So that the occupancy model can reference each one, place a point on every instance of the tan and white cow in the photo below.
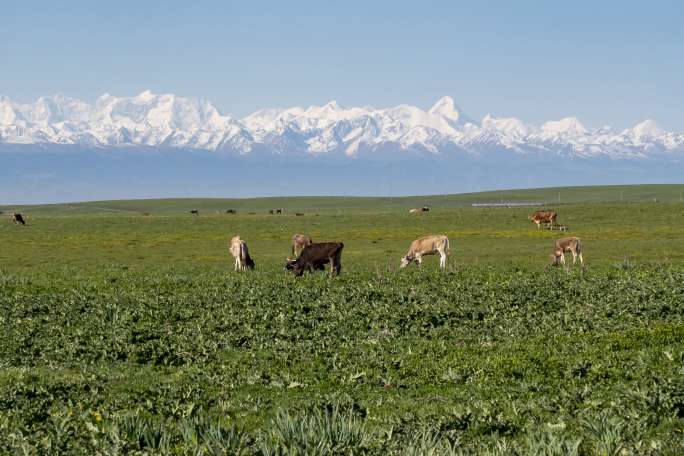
(238, 248)
(427, 246)
(545, 216)
(567, 244)
(299, 241)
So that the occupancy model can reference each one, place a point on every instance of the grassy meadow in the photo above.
(133, 335)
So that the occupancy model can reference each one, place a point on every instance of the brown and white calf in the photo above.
(427, 246)
(422, 209)
(299, 241)
(238, 248)
(314, 256)
(568, 244)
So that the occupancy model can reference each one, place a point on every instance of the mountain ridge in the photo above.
(332, 131)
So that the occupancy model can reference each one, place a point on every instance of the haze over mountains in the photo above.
(156, 139)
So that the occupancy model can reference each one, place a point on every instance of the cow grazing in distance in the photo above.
(216, 212)
(299, 241)
(17, 218)
(427, 246)
(194, 211)
(279, 211)
(297, 214)
(252, 213)
(238, 248)
(270, 211)
(146, 214)
(422, 209)
(231, 211)
(562, 228)
(655, 200)
(314, 256)
(567, 244)
(548, 217)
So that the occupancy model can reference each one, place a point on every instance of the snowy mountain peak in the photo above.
(508, 126)
(447, 108)
(648, 128)
(569, 125)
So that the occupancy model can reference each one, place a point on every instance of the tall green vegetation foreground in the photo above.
(474, 359)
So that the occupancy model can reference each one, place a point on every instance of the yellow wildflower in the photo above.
(69, 413)
(99, 419)
(54, 414)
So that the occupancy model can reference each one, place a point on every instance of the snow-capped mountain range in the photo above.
(167, 121)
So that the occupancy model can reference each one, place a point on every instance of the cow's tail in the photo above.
(448, 250)
(293, 246)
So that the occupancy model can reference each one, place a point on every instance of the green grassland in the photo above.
(133, 335)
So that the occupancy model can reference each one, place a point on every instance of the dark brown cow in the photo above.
(270, 211)
(314, 256)
(231, 211)
(568, 244)
(194, 211)
(17, 218)
(422, 209)
(548, 217)
(297, 214)
(299, 241)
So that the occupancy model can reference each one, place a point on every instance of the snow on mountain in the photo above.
(332, 130)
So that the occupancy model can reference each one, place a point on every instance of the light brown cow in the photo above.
(422, 209)
(299, 241)
(238, 248)
(568, 244)
(655, 200)
(17, 218)
(427, 246)
(146, 214)
(548, 217)
(297, 214)
(216, 212)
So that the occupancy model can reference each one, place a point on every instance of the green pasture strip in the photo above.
(612, 194)
(507, 349)
(608, 233)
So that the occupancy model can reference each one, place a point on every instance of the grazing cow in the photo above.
(194, 211)
(299, 241)
(252, 213)
(422, 209)
(146, 214)
(270, 211)
(655, 200)
(562, 228)
(568, 244)
(17, 218)
(216, 212)
(231, 211)
(314, 256)
(297, 214)
(238, 248)
(548, 217)
(427, 246)
(279, 211)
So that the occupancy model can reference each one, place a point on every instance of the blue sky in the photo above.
(611, 63)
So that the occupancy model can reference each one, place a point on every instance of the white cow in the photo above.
(427, 246)
(238, 248)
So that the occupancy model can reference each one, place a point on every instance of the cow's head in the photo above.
(405, 261)
(555, 259)
(290, 264)
(250, 263)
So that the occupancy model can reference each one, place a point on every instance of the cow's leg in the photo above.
(237, 262)
(419, 259)
(574, 256)
(538, 226)
(581, 259)
(312, 269)
(563, 257)
(442, 259)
